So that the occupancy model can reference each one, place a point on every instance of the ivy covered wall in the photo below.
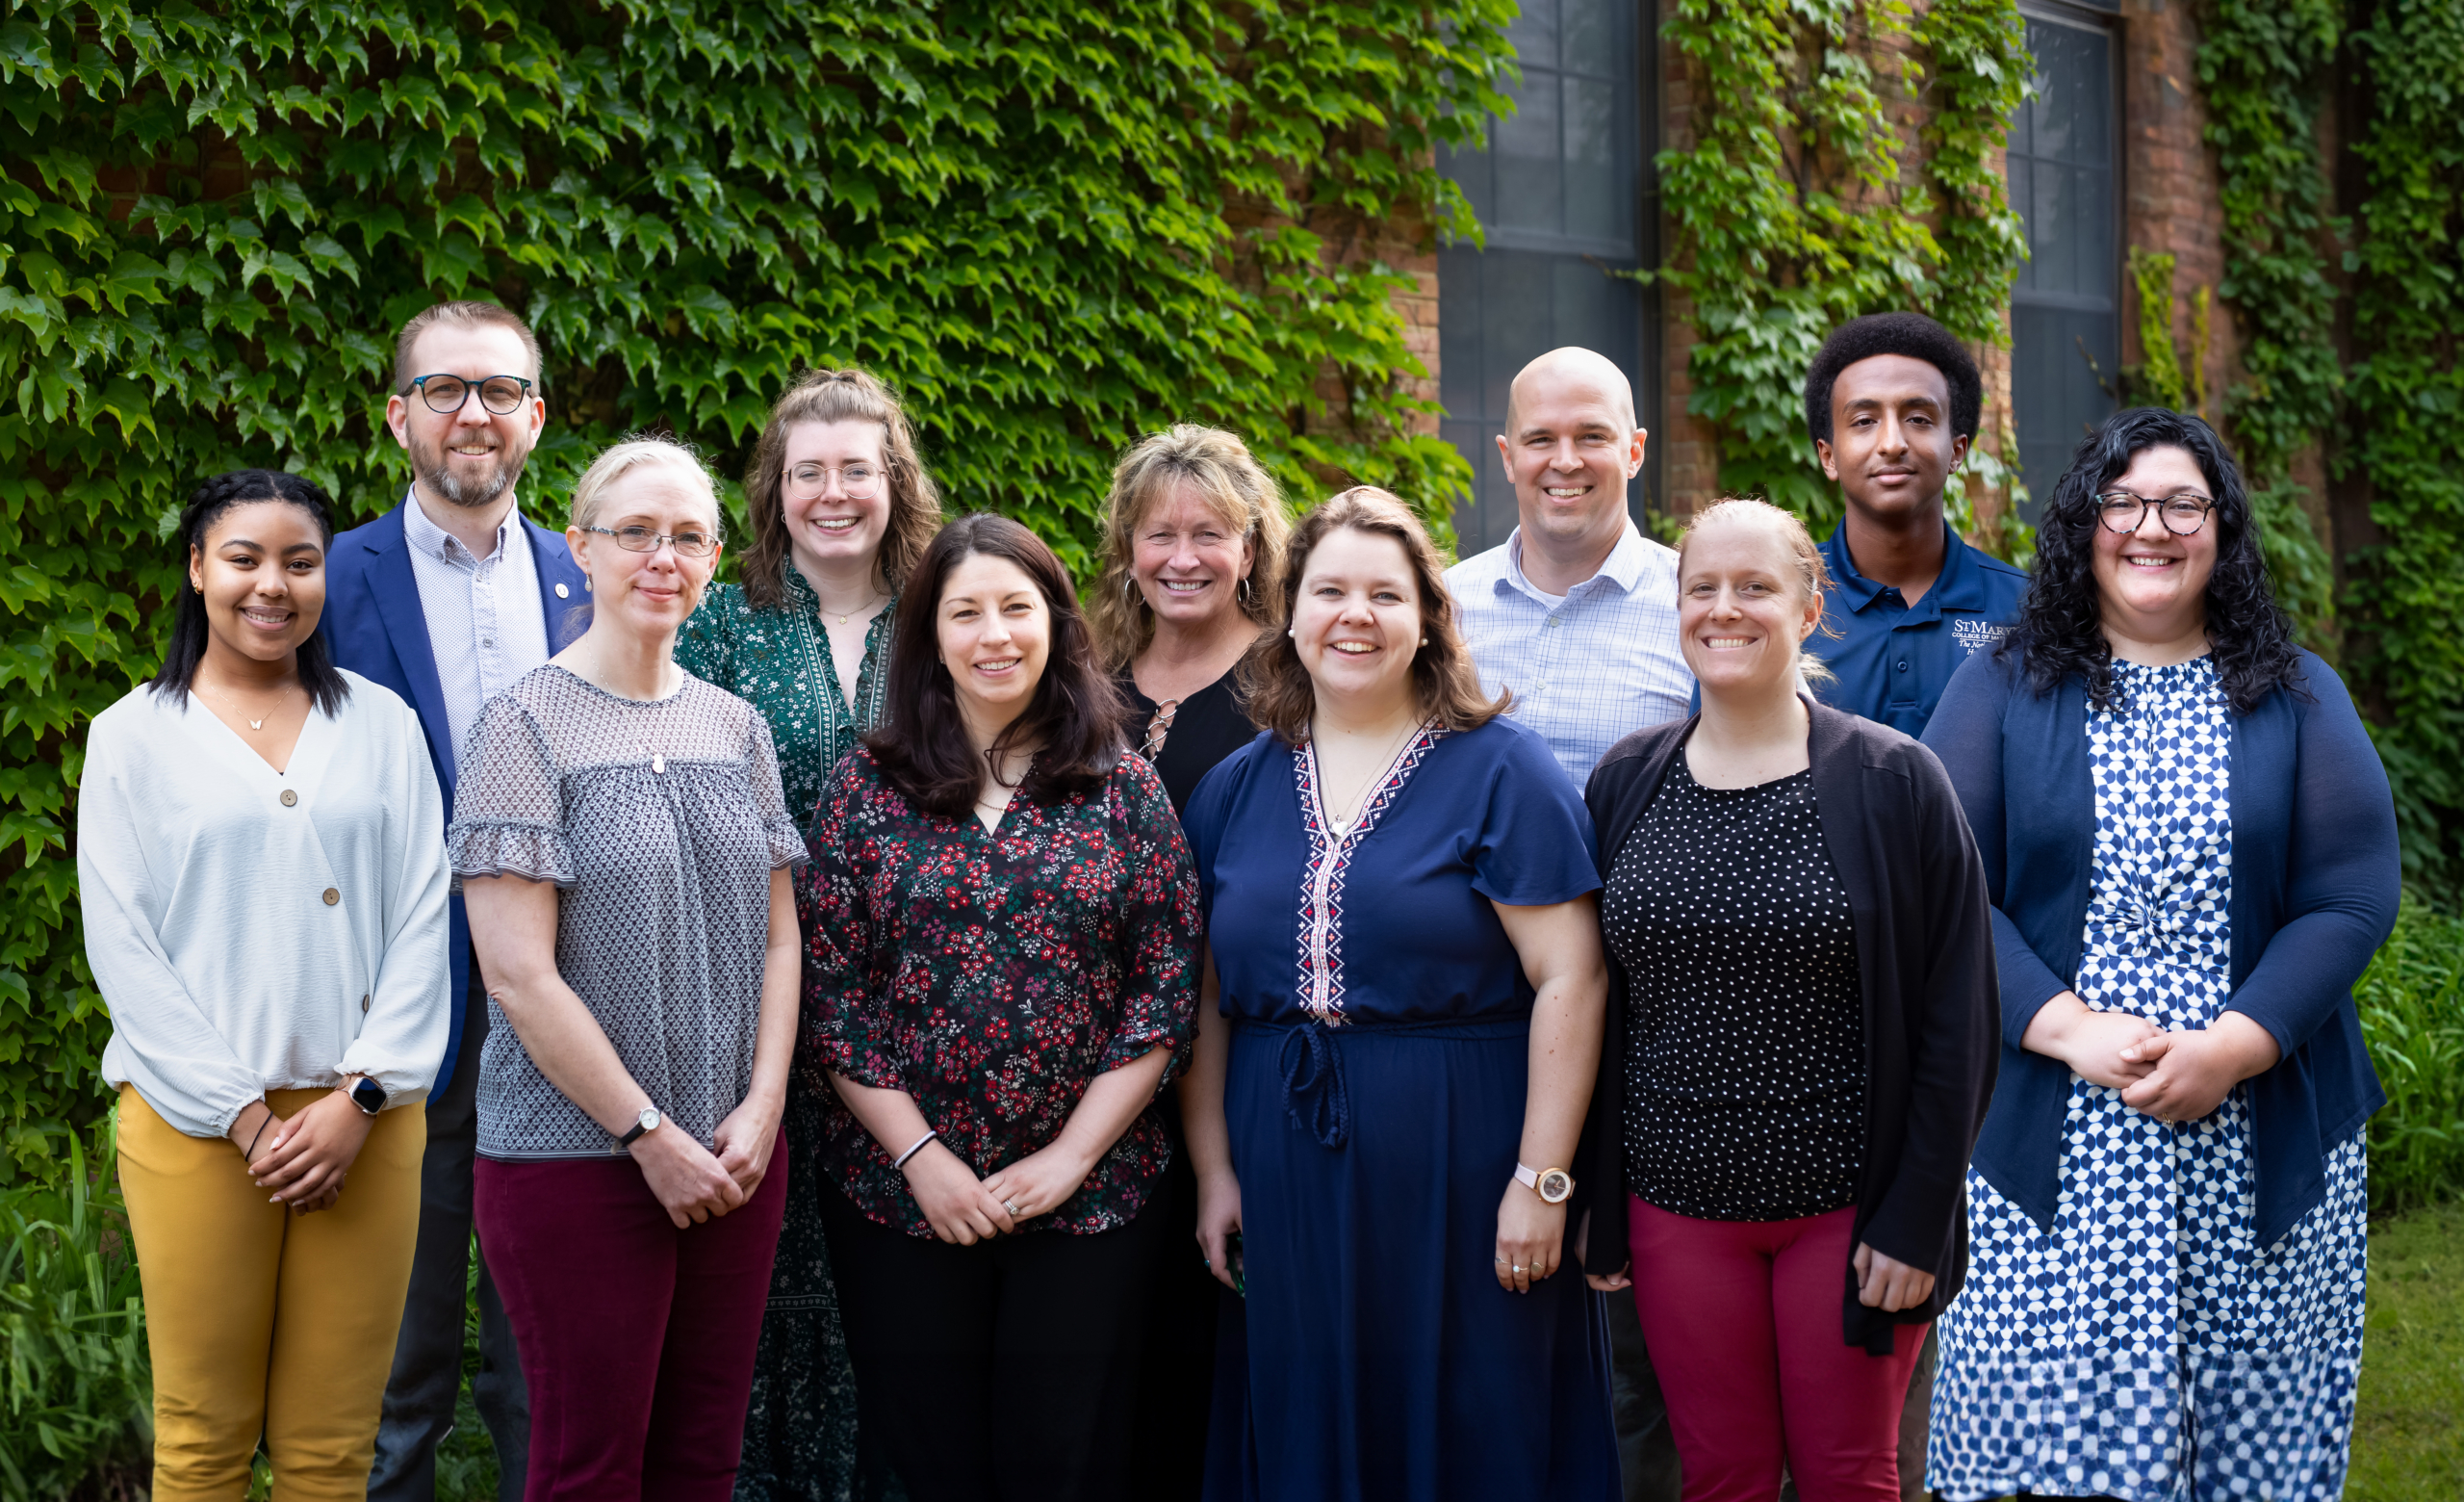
(1055, 225)
(2337, 128)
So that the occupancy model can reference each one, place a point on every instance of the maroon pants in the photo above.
(636, 1338)
(1742, 1318)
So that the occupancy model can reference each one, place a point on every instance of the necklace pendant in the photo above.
(256, 724)
(658, 765)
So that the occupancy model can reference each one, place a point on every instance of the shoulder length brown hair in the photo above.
(921, 743)
(1221, 469)
(835, 396)
(1281, 696)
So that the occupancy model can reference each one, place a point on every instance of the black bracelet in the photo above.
(249, 1152)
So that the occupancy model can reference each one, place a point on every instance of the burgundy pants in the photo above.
(1742, 1318)
(636, 1338)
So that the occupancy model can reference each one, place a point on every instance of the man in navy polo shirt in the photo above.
(1892, 403)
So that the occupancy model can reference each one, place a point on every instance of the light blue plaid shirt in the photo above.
(1590, 669)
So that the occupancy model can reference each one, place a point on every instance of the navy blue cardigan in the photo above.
(2315, 886)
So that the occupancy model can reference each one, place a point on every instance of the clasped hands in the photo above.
(304, 1159)
(695, 1184)
(2179, 1074)
(964, 1209)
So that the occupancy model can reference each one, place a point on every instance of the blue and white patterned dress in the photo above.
(2149, 1348)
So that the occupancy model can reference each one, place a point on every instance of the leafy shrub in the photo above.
(76, 1393)
(2412, 1011)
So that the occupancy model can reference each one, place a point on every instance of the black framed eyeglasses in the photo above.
(2125, 511)
(502, 394)
(642, 539)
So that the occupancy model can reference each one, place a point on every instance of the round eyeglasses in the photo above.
(502, 394)
(857, 482)
(2126, 511)
(642, 539)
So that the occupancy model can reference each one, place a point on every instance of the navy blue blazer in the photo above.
(376, 628)
(2316, 881)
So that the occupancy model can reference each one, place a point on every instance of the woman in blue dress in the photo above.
(1399, 1030)
(2191, 849)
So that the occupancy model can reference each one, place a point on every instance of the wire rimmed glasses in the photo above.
(644, 539)
(446, 395)
(2183, 512)
(857, 482)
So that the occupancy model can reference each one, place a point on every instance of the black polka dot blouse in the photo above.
(1744, 1064)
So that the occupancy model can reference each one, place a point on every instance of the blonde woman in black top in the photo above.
(1802, 1029)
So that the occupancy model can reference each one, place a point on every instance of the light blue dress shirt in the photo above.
(485, 620)
(1588, 669)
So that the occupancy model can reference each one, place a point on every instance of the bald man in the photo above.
(1577, 610)
(1577, 613)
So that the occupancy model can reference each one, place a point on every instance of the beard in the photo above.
(432, 467)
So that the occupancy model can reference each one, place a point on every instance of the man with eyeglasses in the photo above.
(1892, 403)
(447, 600)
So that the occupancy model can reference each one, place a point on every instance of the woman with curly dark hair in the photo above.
(2191, 849)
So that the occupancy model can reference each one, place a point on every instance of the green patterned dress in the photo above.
(799, 1437)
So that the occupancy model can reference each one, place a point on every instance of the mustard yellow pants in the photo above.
(263, 1322)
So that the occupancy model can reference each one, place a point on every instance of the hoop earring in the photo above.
(1244, 587)
(1130, 598)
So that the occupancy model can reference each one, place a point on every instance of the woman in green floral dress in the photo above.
(840, 509)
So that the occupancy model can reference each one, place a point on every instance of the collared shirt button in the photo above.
(332, 897)
(1902, 664)
(290, 799)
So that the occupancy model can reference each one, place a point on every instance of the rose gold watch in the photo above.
(1551, 1184)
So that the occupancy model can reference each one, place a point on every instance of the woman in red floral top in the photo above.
(1001, 970)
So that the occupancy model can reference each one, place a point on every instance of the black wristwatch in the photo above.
(368, 1095)
(648, 1121)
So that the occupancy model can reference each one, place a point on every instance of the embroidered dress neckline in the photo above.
(1329, 861)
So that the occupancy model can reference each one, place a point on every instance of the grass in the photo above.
(2408, 1436)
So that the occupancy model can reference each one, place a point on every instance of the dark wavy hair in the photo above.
(327, 686)
(921, 742)
(2060, 632)
(1912, 334)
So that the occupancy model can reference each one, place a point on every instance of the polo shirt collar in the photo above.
(1623, 567)
(1958, 587)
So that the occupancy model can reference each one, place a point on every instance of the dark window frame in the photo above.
(1638, 129)
(2102, 17)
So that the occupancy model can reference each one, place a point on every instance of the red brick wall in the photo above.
(2170, 182)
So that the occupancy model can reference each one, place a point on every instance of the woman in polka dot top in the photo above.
(1801, 1039)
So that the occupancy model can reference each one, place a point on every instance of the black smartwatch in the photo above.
(368, 1095)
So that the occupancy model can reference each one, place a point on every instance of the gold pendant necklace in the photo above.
(258, 723)
(851, 614)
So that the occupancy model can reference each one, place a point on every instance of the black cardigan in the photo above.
(1894, 830)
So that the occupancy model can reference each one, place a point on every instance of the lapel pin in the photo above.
(562, 592)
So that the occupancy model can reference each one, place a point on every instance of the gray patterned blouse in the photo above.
(660, 822)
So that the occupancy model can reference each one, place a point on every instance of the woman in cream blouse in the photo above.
(261, 862)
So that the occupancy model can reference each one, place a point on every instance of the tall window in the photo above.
(2066, 310)
(1559, 193)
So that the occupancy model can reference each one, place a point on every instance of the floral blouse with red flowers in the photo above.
(992, 975)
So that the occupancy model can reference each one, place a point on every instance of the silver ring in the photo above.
(1012, 1206)
(1517, 1267)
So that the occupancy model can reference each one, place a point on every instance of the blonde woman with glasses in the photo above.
(623, 846)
